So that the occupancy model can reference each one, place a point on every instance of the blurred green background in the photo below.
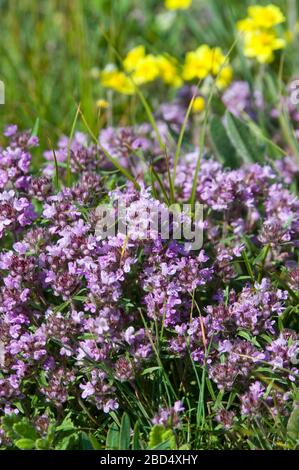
(52, 50)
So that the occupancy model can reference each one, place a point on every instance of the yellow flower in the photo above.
(146, 70)
(197, 63)
(266, 17)
(261, 45)
(118, 81)
(225, 77)
(246, 25)
(202, 62)
(217, 60)
(133, 57)
(198, 104)
(168, 71)
(177, 4)
(102, 104)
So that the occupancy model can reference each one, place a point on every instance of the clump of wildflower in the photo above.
(225, 418)
(169, 417)
(260, 38)
(261, 45)
(84, 157)
(141, 68)
(168, 70)
(117, 80)
(146, 70)
(238, 99)
(81, 314)
(15, 212)
(205, 61)
(261, 17)
(99, 391)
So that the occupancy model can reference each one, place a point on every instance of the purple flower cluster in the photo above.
(80, 315)
(169, 417)
(239, 99)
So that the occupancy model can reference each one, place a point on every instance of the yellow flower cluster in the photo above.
(117, 80)
(206, 61)
(177, 4)
(260, 39)
(141, 68)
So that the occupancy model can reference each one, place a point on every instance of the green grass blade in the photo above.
(68, 167)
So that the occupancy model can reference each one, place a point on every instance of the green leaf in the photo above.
(94, 442)
(293, 425)
(42, 444)
(66, 425)
(150, 370)
(68, 168)
(124, 436)
(112, 440)
(160, 436)
(221, 144)
(184, 447)
(8, 422)
(25, 444)
(163, 446)
(85, 442)
(68, 442)
(136, 445)
(35, 128)
(242, 139)
(25, 429)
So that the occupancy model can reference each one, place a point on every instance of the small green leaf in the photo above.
(150, 370)
(66, 425)
(162, 446)
(35, 128)
(136, 444)
(221, 144)
(85, 442)
(293, 425)
(156, 435)
(242, 139)
(68, 442)
(160, 436)
(124, 436)
(94, 442)
(42, 444)
(25, 444)
(25, 429)
(112, 440)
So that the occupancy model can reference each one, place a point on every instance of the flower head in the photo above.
(261, 45)
(118, 81)
(198, 104)
(260, 39)
(265, 16)
(177, 4)
(133, 57)
(168, 70)
(146, 70)
(206, 61)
